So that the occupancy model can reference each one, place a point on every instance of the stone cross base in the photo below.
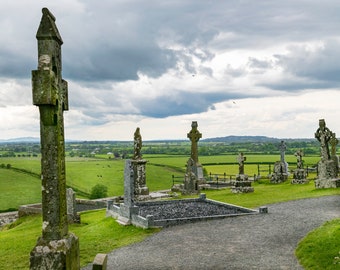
(327, 169)
(327, 183)
(242, 177)
(242, 189)
(56, 254)
(299, 177)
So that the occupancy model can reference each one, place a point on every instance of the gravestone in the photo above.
(299, 174)
(139, 166)
(56, 248)
(328, 165)
(280, 173)
(72, 215)
(242, 183)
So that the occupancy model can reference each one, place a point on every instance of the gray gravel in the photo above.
(265, 241)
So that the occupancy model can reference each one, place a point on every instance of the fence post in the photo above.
(270, 168)
(258, 169)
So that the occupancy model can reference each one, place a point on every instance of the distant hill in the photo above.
(242, 139)
(21, 140)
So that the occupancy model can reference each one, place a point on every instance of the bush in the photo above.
(98, 191)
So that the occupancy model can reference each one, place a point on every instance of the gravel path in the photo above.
(265, 241)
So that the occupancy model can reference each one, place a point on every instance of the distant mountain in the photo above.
(21, 140)
(241, 139)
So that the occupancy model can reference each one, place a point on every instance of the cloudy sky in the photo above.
(237, 67)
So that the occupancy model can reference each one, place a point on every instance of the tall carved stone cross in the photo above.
(194, 135)
(282, 148)
(50, 95)
(57, 248)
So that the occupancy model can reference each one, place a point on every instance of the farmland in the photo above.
(91, 163)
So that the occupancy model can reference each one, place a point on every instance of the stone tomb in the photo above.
(166, 212)
(56, 248)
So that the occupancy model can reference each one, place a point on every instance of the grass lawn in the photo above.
(17, 189)
(97, 234)
(320, 249)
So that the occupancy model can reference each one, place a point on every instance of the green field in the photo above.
(22, 187)
(84, 173)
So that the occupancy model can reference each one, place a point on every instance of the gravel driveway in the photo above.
(264, 241)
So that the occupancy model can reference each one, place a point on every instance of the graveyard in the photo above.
(197, 186)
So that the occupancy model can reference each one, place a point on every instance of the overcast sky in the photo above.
(242, 67)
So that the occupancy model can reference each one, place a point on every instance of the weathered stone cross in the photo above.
(57, 248)
(194, 135)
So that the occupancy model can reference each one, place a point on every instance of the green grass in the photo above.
(268, 193)
(320, 249)
(17, 189)
(96, 233)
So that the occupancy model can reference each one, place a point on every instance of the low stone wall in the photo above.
(9, 217)
(81, 205)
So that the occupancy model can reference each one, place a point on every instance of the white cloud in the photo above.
(243, 68)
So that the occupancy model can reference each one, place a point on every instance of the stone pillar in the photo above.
(56, 248)
(139, 167)
(128, 208)
(139, 164)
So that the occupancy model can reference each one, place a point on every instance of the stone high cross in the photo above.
(57, 248)
(241, 159)
(282, 148)
(50, 95)
(323, 135)
(194, 135)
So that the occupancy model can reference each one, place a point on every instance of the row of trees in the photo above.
(125, 149)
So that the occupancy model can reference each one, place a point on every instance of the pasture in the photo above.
(23, 186)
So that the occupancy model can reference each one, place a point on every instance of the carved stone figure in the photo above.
(137, 145)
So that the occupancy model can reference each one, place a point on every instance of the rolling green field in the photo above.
(84, 173)
(22, 187)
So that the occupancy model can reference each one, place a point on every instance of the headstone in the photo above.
(72, 216)
(280, 173)
(242, 183)
(139, 165)
(327, 166)
(299, 174)
(56, 248)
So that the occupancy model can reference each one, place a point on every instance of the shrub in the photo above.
(98, 191)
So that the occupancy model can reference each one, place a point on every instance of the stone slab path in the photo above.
(264, 241)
